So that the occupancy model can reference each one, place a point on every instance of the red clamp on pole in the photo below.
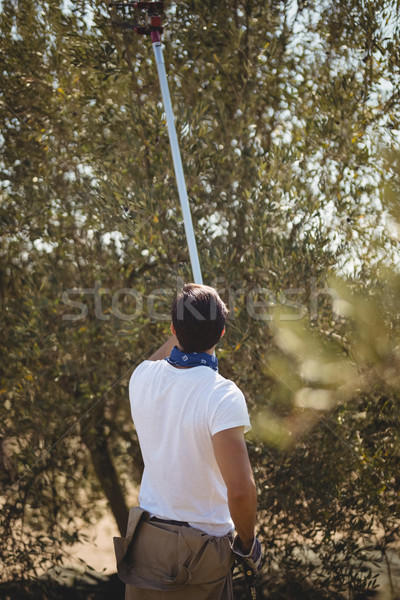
(154, 10)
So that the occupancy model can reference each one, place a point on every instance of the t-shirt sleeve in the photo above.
(231, 411)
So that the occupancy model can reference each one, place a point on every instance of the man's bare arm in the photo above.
(233, 461)
(165, 349)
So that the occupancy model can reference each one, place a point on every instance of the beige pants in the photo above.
(160, 561)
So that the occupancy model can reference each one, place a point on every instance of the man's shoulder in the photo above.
(147, 366)
(225, 385)
(213, 380)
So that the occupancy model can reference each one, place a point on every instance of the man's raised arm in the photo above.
(165, 349)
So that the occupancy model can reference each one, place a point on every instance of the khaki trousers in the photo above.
(159, 561)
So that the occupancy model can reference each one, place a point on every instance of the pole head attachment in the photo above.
(123, 14)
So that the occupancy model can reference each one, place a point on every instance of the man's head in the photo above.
(198, 316)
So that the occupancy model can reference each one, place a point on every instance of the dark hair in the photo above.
(199, 316)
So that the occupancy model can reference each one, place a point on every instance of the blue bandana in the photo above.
(192, 359)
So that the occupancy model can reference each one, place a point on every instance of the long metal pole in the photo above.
(176, 156)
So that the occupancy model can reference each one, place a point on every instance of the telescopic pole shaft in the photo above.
(176, 156)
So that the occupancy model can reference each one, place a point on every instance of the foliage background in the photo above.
(288, 119)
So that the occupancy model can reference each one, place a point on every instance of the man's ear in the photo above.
(173, 329)
(223, 332)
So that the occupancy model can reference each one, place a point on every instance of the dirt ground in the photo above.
(98, 551)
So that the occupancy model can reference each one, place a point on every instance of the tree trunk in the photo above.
(105, 471)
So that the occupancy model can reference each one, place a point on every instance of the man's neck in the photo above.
(210, 351)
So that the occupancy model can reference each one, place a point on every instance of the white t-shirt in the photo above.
(176, 412)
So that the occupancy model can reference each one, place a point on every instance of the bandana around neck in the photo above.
(192, 359)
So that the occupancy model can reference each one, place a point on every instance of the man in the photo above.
(197, 483)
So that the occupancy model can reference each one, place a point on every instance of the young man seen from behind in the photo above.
(197, 484)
